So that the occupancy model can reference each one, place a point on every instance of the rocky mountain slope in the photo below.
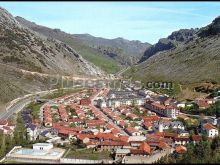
(196, 60)
(22, 48)
(105, 62)
(124, 51)
(26, 49)
(176, 39)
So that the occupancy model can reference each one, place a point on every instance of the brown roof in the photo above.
(167, 134)
(124, 138)
(145, 147)
(131, 130)
(163, 145)
(147, 124)
(181, 149)
(3, 122)
(208, 126)
(182, 138)
(196, 137)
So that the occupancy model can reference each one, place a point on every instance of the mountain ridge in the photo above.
(195, 60)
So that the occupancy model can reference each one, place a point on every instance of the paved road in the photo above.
(19, 103)
(122, 71)
(196, 115)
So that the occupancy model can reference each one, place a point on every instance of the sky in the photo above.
(144, 21)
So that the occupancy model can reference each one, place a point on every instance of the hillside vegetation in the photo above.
(195, 61)
(103, 61)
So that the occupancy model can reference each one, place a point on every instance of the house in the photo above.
(163, 146)
(120, 153)
(148, 126)
(101, 103)
(43, 146)
(150, 119)
(111, 145)
(47, 116)
(177, 125)
(6, 130)
(32, 132)
(127, 98)
(132, 131)
(181, 132)
(204, 103)
(209, 130)
(181, 140)
(95, 123)
(166, 135)
(123, 123)
(164, 125)
(132, 116)
(165, 110)
(144, 149)
(85, 101)
(63, 113)
(196, 138)
(7, 126)
(180, 149)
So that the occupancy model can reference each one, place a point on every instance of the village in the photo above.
(132, 125)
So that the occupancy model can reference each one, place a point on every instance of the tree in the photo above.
(3, 147)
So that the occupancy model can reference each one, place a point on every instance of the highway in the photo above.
(18, 104)
(190, 115)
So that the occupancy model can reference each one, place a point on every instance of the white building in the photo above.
(168, 110)
(42, 146)
(32, 132)
(209, 130)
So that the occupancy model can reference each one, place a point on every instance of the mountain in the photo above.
(196, 58)
(26, 49)
(23, 50)
(174, 40)
(212, 29)
(124, 51)
(103, 61)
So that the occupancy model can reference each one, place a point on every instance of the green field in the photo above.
(88, 154)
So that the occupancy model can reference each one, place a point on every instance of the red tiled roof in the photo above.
(196, 138)
(163, 145)
(182, 138)
(208, 126)
(150, 118)
(3, 122)
(124, 138)
(145, 147)
(158, 105)
(75, 120)
(107, 136)
(123, 123)
(167, 134)
(181, 149)
(147, 124)
(131, 130)
(203, 103)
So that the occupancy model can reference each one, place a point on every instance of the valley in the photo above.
(80, 98)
